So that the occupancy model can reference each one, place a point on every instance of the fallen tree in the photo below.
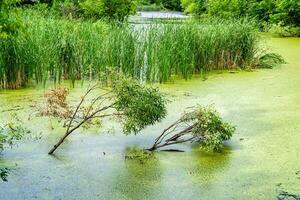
(202, 124)
(137, 106)
(134, 105)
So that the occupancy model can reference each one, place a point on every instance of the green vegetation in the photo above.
(199, 47)
(50, 41)
(53, 48)
(282, 16)
(134, 105)
(139, 105)
(9, 19)
(157, 5)
(140, 155)
(202, 124)
(112, 9)
(11, 132)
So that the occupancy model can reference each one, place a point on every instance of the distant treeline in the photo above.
(174, 5)
(279, 13)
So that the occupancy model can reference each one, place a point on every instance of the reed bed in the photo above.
(59, 49)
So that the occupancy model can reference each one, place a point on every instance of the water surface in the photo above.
(261, 160)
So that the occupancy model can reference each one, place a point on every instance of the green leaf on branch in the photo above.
(141, 105)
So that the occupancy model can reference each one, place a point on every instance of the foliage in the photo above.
(93, 8)
(9, 19)
(203, 125)
(11, 132)
(151, 5)
(196, 7)
(227, 8)
(135, 105)
(112, 9)
(66, 49)
(71, 10)
(283, 12)
(270, 60)
(284, 31)
(287, 12)
(262, 10)
(140, 105)
(208, 127)
(72, 49)
(199, 47)
(172, 4)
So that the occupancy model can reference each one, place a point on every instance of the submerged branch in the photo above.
(137, 106)
(86, 118)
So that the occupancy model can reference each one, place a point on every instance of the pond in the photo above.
(162, 15)
(148, 16)
(260, 161)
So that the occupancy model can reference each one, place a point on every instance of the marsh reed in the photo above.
(58, 49)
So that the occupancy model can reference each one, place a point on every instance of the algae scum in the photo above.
(261, 161)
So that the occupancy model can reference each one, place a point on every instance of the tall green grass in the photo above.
(57, 49)
(198, 47)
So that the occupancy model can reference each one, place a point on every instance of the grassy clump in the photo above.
(11, 132)
(269, 60)
(53, 48)
(137, 154)
(198, 47)
(59, 49)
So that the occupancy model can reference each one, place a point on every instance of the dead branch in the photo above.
(87, 116)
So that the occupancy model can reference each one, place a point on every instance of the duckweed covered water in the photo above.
(262, 159)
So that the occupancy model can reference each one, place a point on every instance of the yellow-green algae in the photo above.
(261, 159)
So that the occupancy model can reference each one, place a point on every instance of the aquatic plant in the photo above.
(203, 125)
(11, 131)
(269, 60)
(56, 49)
(136, 106)
(195, 47)
(137, 154)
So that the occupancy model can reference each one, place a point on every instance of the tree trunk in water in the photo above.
(58, 144)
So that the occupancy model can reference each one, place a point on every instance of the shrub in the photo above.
(284, 12)
(196, 7)
(287, 13)
(172, 4)
(112, 9)
(10, 23)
